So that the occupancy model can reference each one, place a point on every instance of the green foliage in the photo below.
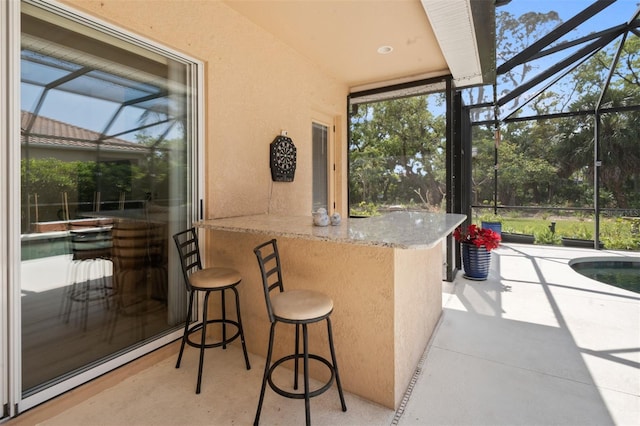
(364, 209)
(514, 214)
(48, 177)
(616, 234)
(490, 217)
(397, 147)
(620, 234)
(550, 162)
(397, 152)
(578, 231)
(545, 236)
(46, 182)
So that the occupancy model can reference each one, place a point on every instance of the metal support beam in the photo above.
(596, 181)
(527, 54)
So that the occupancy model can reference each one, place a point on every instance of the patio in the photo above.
(536, 343)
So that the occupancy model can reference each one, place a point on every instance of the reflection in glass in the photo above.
(104, 165)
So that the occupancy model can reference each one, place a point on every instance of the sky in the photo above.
(620, 11)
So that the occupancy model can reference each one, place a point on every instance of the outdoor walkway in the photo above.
(535, 344)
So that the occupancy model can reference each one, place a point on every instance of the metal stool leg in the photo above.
(307, 404)
(244, 346)
(266, 374)
(203, 341)
(186, 329)
(335, 365)
(297, 357)
(224, 321)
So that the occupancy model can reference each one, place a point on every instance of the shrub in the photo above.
(545, 236)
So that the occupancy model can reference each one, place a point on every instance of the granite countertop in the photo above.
(405, 230)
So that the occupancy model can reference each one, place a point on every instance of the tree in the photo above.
(551, 161)
(482, 176)
(397, 152)
(619, 147)
(513, 35)
(523, 178)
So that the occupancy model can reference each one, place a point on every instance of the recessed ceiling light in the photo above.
(383, 50)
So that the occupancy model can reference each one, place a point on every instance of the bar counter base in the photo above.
(387, 302)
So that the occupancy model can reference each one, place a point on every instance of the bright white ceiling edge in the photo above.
(408, 79)
(452, 23)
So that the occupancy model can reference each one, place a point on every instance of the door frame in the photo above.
(9, 220)
(328, 122)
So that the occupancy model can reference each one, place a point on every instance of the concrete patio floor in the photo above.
(535, 344)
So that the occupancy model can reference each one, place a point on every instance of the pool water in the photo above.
(620, 273)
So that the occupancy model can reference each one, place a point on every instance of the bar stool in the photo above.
(299, 307)
(207, 280)
(88, 275)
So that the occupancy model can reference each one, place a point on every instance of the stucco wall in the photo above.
(386, 304)
(255, 86)
(417, 309)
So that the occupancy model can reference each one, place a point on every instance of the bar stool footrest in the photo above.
(198, 327)
(301, 395)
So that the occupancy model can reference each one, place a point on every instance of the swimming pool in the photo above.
(620, 272)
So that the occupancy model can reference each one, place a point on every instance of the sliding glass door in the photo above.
(108, 138)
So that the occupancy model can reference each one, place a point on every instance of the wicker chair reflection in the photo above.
(299, 307)
(207, 280)
(139, 267)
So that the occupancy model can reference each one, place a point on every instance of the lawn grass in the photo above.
(564, 227)
(615, 233)
(568, 227)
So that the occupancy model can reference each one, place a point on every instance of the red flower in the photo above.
(478, 237)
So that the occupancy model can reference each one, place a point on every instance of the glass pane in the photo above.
(104, 185)
(320, 139)
(397, 155)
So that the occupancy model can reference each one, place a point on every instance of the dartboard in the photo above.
(283, 159)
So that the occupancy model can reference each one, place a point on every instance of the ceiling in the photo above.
(429, 38)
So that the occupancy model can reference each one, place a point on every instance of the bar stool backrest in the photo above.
(269, 261)
(189, 251)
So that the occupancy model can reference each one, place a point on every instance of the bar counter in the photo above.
(405, 230)
(384, 274)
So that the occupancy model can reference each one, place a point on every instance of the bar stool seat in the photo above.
(214, 278)
(207, 280)
(299, 307)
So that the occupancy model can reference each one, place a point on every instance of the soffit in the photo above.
(343, 37)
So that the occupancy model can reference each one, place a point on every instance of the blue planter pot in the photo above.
(494, 226)
(476, 262)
